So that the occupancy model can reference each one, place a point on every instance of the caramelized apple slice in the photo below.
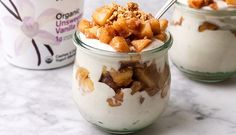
(82, 73)
(155, 25)
(231, 2)
(207, 26)
(119, 44)
(162, 36)
(197, 4)
(104, 35)
(91, 32)
(145, 31)
(83, 25)
(163, 24)
(101, 15)
(140, 44)
(133, 25)
(123, 77)
(87, 84)
(144, 78)
(122, 28)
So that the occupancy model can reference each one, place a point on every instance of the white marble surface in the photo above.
(40, 103)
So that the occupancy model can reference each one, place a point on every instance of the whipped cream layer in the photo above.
(102, 46)
(222, 5)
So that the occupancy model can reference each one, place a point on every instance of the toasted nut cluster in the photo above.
(207, 26)
(85, 82)
(136, 76)
(126, 29)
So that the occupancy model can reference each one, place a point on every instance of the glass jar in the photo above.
(36, 34)
(121, 92)
(204, 47)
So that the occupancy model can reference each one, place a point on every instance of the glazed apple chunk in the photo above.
(125, 29)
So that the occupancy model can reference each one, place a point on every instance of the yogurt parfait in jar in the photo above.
(205, 39)
(121, 78)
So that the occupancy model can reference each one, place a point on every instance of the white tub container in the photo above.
(37, 34)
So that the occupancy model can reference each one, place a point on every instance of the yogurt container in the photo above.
(37, 34)
(119, 85)
(122, 110)
(204, 48)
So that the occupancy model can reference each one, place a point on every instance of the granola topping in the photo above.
(125, 29)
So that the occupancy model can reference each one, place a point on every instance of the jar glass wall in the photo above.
(204, 46)
(121, 92)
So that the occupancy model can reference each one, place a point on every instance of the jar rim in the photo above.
(205, 11)
(79, 43)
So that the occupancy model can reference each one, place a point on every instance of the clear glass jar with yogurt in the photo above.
(120, 92)
(204, 46)
(37, 34)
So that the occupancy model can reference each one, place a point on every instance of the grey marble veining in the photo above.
(40, 102)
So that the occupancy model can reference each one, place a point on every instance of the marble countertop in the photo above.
(40, 103)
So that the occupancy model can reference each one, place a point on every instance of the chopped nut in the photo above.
(132, 6)
(116, 100)
(113, 103)
(180, 21)
(207, 26)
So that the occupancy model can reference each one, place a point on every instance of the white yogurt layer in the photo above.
(222, 5)
(99, 45)
(131, 115)
(207, 51)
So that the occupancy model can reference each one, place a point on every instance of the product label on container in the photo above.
(38, 34)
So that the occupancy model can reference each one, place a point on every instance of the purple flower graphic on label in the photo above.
(23, 19)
